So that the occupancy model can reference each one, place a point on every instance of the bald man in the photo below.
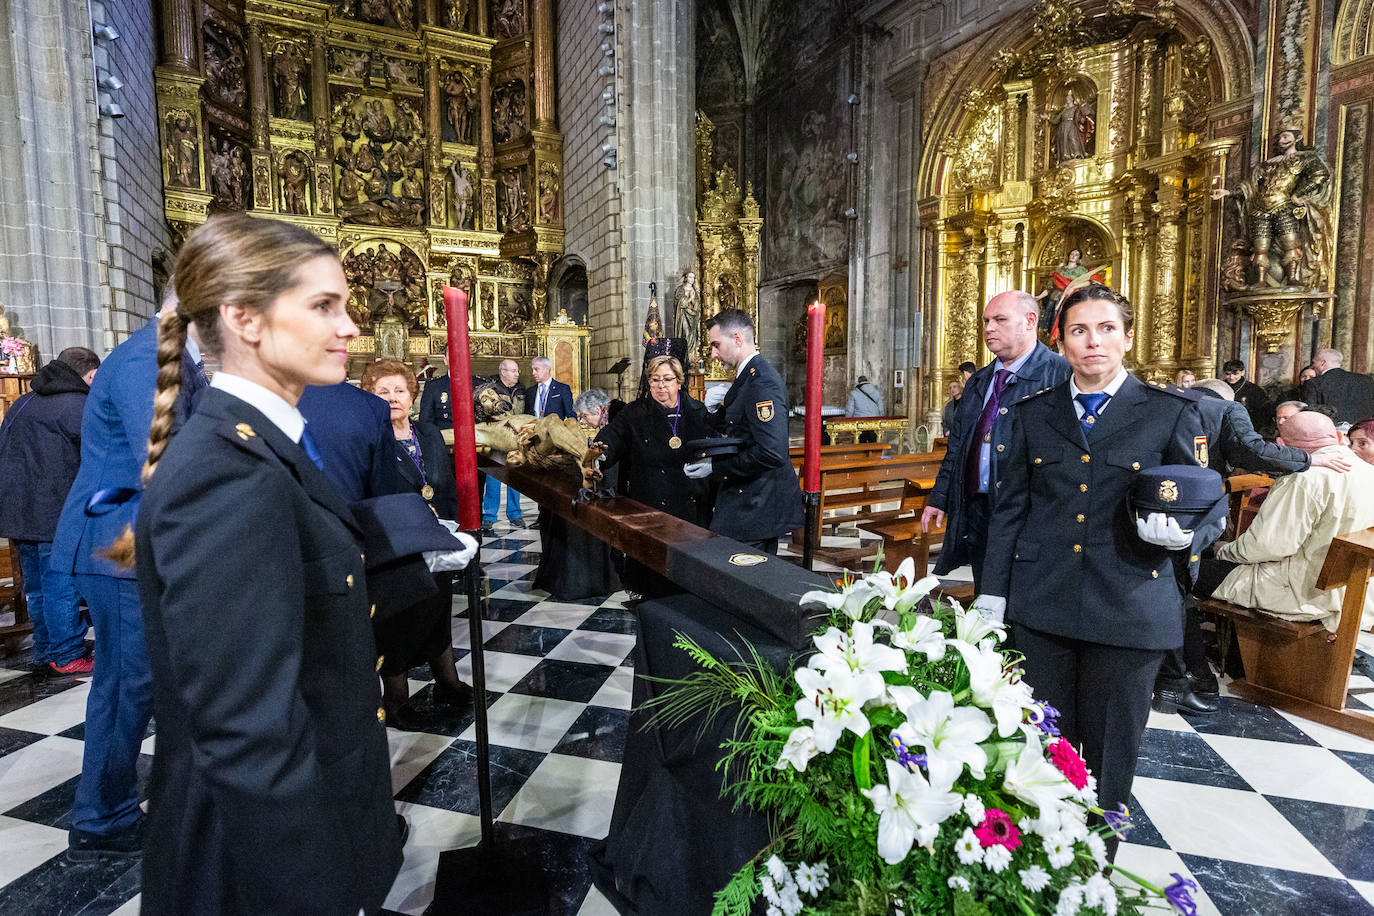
(1273, 566)
(964, 490)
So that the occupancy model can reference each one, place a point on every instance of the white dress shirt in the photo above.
(283, 415)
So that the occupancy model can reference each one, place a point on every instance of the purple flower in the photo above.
(1180, 894)
(1046, 716)
(905, 757)
(1119, 821)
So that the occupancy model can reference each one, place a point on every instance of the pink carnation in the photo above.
(997, 830)
(1063, 756)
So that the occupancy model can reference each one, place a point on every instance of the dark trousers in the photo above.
(1103, 696)
(59, 636)
(767, 545)
(976, 535)
(117, 710)
(1191, 659)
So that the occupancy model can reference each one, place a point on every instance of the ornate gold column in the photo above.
(483, 22)
(544, 116)
(324, 142)
(1168, 273)
(257, 101)
(486, 155)
(179, 36)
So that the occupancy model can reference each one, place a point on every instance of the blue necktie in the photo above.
(1092, 402)
(312, 451)
(543, 399)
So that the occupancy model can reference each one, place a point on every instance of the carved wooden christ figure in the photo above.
(459, 103)
(288, 75)
(514, 205)
(462, 196)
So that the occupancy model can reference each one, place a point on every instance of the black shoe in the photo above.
(405, 719)
(404, 826)
(488, 530)
(459, 697)
(1184, 701)
(90, 847)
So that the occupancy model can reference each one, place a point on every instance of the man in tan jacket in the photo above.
(1273, 566)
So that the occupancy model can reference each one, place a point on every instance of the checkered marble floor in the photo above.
(1269, 813)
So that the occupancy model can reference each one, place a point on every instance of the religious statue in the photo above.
(1285, 207)
(376, 124)
(513, 201)
(224, 64)
(460, 102)
(350, 186)
(397, 72)
(548, 192)
(404, 11)
(288, 75)
(294, 178)
(457, 14)
(509, 16)
(726, 296)
(182, 150)
(687, 312)
(412, 188)
(352, 64)
(1060, 278)
(462, 196)
(227, 171)
(1074, 126)
(508, 111)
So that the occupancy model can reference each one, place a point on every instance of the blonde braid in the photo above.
(171, 341)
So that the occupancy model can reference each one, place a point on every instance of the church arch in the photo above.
(1354, 35)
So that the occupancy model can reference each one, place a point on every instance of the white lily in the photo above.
(852, 599)
(907, 803)
(1034, 780)
(993, 687)
(799, 748)
(972, 627)
(949, 735)
(925, 635)
(832, 702)
(857, 653)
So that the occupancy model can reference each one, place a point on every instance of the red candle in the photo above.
(815, 343)
(460, 395)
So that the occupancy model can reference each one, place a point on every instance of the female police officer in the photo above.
(271, 788)
(1093, 605)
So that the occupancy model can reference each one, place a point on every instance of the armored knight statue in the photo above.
(1285, 211)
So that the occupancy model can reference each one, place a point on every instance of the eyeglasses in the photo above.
(663, 380)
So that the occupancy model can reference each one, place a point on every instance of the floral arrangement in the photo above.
(907, 768)
(13, 346)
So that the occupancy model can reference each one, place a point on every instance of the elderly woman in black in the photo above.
(651, 434)
(423, 632)
(1092, 594)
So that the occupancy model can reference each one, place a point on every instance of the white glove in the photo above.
(992, 607)
(1163, 531)
(714, 396)
(697, 469)
(451, 560)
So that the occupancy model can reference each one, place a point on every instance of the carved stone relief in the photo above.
(508, 111)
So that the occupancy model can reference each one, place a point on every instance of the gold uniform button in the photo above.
(1135, 465)
(1003, 410)
(1154, 574)
(380, 659)
(381, 715)
(363, 557)
(1039, 460)
(349, 580)
(1077, 548)
(372, 612)
(1086, 458)
(1082, 488)
(1001, 448)
(1080, 518)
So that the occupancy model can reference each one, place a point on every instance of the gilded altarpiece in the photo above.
(418, 137)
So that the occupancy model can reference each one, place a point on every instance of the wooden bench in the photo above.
(12, 599)
(1243, 509)
(902, 536)
(838, 454)
(1299, 666)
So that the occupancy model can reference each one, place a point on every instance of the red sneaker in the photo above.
(79, 665)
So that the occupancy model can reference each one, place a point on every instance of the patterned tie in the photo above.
(543, 399)
(973, 476)
(312, 451)
(1092, 402)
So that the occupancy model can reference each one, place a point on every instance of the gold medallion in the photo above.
(675, 442)
(427, 491)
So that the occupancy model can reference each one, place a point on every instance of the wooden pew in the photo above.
(12, 598)
(1300, 667)
(902, 535)
(831, 454)
(1242, 512)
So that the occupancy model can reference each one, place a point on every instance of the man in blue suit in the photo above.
(352, 429)
(964, 494)
(106, 818)
(548, 396)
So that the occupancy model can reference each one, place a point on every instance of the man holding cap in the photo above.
(758, 498)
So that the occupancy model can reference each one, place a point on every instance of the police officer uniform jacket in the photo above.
(637, 439)
(1062, 546)
(352, 429)
(1350, 393)
(271, 789)
(758, 495)
(1233, 442)
(435, 402)
(1042, 369)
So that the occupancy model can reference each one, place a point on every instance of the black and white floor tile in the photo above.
(1269, 813)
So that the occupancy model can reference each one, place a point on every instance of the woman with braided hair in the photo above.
(271, 785)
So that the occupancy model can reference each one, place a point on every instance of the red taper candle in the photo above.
(460, 396)
(815, 344)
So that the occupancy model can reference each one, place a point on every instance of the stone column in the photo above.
(543, 65)
(179, 36)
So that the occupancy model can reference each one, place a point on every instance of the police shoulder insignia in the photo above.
(443, 397)
(1168, 491)
(765, 410)
(1200, 450)
(244, 431)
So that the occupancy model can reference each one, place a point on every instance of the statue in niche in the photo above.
(460, 101)
(489, 305)
(404, 12)
(295, 178)
(1073, 126)
(456, 15)
(515, 312)
(183, 150)
(1060, 278)
(687, 312)
(461, 277)
(462, 196)
(508, 111)
(224, 64)
(1285, 206)
(725, 294)
(228, 168)
(514, 205)
(508, 16)
(288, 76)
(548, 192)
(375, 11)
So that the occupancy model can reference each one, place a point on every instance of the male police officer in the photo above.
(759, 497)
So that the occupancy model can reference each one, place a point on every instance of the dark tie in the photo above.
(1092, 402)
(312, 451)
(543, 399)
(983, 432)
